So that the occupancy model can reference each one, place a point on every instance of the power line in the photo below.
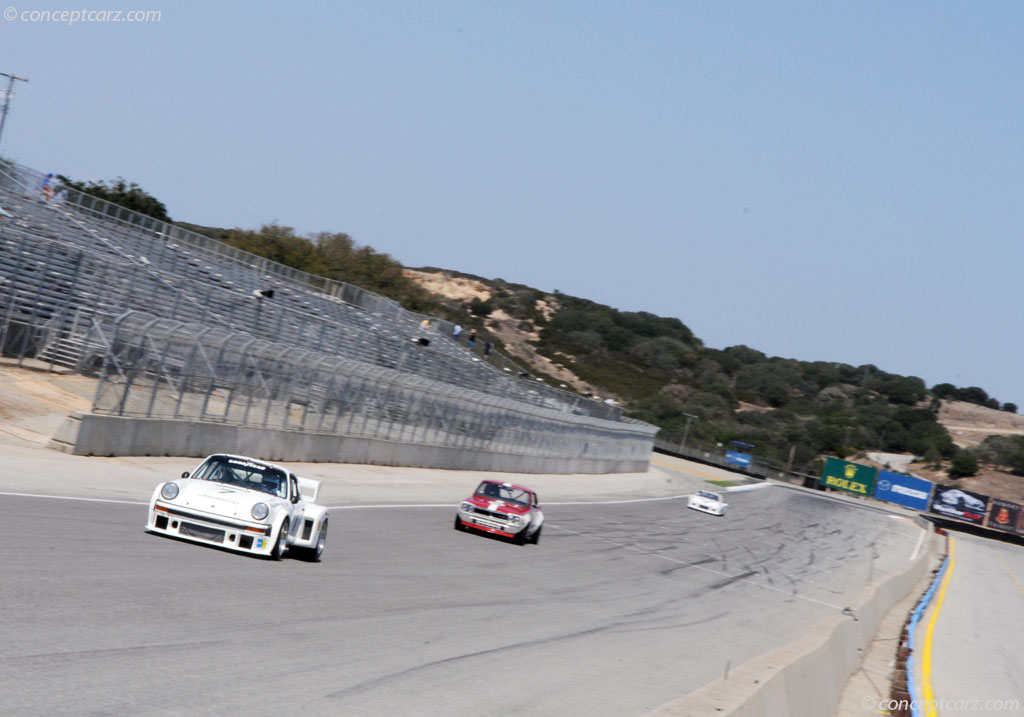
(7, 97)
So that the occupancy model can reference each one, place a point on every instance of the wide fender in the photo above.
(317, 514)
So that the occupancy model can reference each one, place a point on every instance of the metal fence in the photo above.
(156, 368)
(716, 455)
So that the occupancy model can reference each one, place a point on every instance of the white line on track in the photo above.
(545, 503)
(72, 497)
(917, 546)
(382, 506)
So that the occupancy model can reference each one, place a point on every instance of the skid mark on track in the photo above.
(697, 566)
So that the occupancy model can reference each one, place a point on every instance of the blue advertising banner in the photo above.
(737, 459)
(905, 490)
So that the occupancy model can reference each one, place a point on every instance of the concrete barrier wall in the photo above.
(99, 435)
(808, 676)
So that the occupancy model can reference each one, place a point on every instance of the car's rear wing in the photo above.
(309, 489)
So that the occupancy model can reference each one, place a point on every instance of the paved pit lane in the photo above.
(620, 609)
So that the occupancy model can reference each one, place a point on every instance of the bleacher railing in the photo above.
(29, 182)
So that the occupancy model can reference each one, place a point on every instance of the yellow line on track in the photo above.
(706, 476)
(1012, 576)
(927, 695)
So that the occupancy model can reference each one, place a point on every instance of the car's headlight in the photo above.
(260, 511)
(169, 491)
(466, 507)
(515, 519)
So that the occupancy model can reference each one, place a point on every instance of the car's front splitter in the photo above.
(219, 533)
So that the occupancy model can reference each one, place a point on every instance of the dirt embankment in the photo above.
(519, 337)
(969, 425)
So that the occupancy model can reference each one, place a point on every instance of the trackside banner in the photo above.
(905, 490)
(1004, 515)
(960, 504)
(852, 477)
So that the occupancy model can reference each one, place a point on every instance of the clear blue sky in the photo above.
(821, 181)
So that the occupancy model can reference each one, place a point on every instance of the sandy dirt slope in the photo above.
(34, 402)
(970, 424)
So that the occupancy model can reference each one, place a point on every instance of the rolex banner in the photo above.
(1004, 515)
(852, 477)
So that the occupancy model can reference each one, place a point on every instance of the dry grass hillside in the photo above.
(969, 424)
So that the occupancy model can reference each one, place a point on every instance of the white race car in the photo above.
(707, 502)
(242, 504)
(504, 509)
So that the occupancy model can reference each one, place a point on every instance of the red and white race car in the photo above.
(505, 509)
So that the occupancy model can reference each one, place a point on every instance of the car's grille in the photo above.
(201, 531)
(491, 513)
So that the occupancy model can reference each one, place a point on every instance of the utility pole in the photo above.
(686, 431)
(7, 98)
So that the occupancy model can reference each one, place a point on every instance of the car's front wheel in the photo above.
(535, 538)
(279, 547)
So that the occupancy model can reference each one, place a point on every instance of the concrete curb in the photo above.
(806, 677)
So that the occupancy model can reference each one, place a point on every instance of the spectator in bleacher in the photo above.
(48, 186)
(425, 325)
(3, 214)
(472, 339)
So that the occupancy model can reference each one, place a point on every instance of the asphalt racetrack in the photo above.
(977, 662)
(621, 608)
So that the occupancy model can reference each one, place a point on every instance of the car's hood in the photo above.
(498, 505)
(221, 499)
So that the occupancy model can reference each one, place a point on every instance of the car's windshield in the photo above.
(708, 494)
(499, 491)
(244, 474)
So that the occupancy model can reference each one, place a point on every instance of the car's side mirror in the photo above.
(185, 474)
(295, 498)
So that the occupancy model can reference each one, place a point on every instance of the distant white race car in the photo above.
(242, 504)
(707, 502)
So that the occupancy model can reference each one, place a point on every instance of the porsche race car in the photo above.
(242, 504)
(707, 502)
(504, 509)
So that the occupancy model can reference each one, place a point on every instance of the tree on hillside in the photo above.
(131, 196)
(279, 244)
(964, 464)
(369, 269)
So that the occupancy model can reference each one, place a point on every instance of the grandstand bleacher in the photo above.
(66, 261)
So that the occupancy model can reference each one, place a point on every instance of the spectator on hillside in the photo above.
(456, 331)
(472, 339)
(487, 349)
